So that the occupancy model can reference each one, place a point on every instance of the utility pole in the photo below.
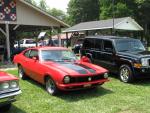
(113, 16)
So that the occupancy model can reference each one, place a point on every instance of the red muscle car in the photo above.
(9, 88)
(58, 69)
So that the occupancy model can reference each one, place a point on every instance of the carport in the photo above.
(20, 16)
(126, 23)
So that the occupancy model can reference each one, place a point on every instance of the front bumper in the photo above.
(143, 72)
(6, 98)
(83, 85)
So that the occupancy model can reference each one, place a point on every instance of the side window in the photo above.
(89, 43)
(30, 41)
(108, 47)
(33, 53)
(26, 54)
(98, 44)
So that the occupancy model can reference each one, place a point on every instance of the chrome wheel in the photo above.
(126, 74)
(51, 86)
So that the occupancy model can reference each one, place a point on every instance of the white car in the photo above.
(26, 43)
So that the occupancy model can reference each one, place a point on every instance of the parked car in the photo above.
(125, 56)
(59, 69)
(77, 46)
(9, 89)
(26, 43)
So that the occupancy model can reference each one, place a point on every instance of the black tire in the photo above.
(5, 108)
(51, 86)
(21, 73)
(126, 74)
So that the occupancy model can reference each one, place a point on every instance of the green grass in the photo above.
(112, 97)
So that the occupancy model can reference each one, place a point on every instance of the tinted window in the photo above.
(89, 43)
(27, 53)
(108, 47)
(129, 45)
(33, 53)
(98, 44)
(30, 41)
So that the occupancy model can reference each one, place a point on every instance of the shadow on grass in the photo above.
(72, 96)
(142, 82)
(77, 94)
(13, 109)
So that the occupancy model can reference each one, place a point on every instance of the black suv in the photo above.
(125, 56)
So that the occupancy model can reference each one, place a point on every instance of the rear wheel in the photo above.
(51, 86)
(126, 74)
(21, 73)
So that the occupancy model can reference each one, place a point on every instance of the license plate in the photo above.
(87, 85)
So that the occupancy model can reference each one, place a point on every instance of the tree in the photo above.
(43, 5)
(58, 13)
(83, 10)
(121, 8)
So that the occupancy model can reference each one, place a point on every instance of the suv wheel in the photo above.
(21, 73)
(125, 74)
(51, 86)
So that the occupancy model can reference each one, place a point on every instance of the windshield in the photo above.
(57, 55)
(129, 45)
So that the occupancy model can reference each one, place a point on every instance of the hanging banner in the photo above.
(8, 10)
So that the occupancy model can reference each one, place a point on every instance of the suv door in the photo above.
(98, 52)
(88, 48)
(108, 55)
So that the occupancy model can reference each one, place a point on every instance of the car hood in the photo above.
(135, 54)
(77, 68)
(6, 77)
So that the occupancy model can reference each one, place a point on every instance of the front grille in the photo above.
(86, 78)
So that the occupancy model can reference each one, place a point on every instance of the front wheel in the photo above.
(51, 86)
(126, 74)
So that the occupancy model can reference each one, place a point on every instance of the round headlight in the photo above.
(105, 75)
(66, 79)
(4, 86)
(13, 84)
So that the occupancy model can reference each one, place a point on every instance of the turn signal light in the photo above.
(136, 65)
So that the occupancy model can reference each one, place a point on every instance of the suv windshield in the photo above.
(57, 55)
(129, 45)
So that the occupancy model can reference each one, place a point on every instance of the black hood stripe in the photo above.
(88, 68)
(75, 67)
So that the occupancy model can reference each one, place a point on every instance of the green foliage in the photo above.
(83, 10)
(43, 5)
(57, 13)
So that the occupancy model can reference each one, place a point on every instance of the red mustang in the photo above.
(59, 69)
(9, 88)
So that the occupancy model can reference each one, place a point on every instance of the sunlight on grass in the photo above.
(112, 97)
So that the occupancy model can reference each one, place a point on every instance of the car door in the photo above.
(89, 48)
(37, 70)
(25, 62)
(98, 52)
(108, 56)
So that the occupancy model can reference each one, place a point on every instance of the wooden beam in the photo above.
(3, 31)
(7, 41)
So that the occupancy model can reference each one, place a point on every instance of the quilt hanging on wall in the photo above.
(8, 10)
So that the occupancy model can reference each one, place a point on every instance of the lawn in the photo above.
(112, 97)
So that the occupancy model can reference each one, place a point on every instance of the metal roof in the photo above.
(106, 24)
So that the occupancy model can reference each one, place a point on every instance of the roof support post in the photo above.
(59, 36)
(7, 41)
(67, 38)
(87, 33)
